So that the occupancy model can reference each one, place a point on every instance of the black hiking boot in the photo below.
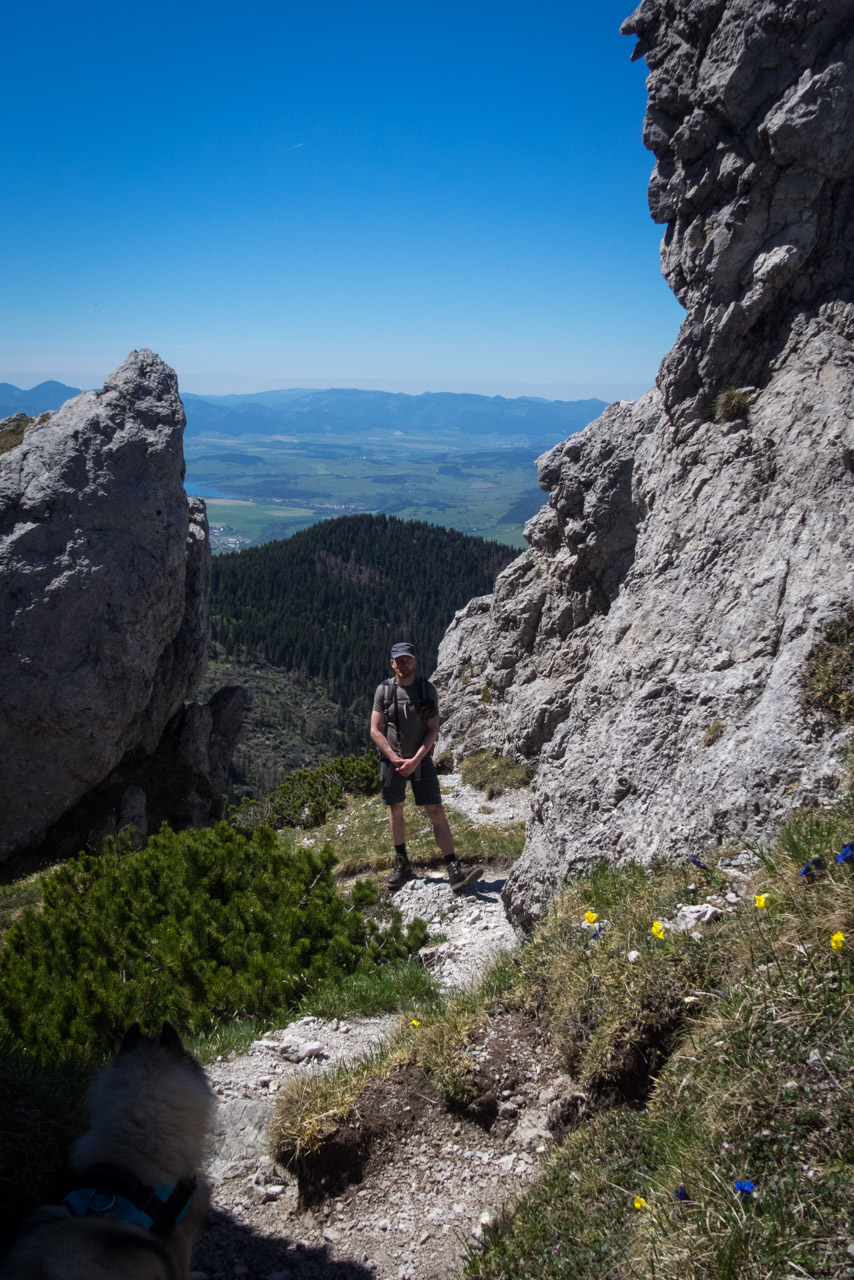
(459, 875)
(399, 876)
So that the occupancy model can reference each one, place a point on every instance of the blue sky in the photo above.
(450, 197)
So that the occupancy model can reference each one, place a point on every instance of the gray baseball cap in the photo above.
(403, 650)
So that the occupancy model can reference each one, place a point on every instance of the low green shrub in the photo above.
(16, 897)
(306, 797)
(198, 927)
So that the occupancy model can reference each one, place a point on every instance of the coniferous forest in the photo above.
(328, 603)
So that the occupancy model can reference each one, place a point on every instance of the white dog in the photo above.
(138, 1201)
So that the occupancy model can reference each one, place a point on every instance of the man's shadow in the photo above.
(483, 890)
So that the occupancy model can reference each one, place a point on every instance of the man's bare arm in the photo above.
(380, 740)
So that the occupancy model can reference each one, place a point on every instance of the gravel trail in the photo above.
(416, 1214)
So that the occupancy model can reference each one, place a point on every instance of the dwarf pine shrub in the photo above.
(198, 927)
(305, 798)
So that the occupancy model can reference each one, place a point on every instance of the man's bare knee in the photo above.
(434, 811)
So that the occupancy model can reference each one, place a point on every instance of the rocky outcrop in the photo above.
(751, 119)
(649, 646)
(104, 580)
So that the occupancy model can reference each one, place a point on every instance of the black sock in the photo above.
(400, 852)
(449, 858)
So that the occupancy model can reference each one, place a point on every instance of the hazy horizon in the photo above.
(330, 386)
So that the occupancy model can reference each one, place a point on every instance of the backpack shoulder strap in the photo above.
(388, 695)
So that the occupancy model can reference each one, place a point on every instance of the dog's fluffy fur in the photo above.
(150, 1114)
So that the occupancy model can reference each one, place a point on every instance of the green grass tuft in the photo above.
(228, 1038)
(732, 403)
(829, 675)
(359, 835)
(495, 773)
(13, 432)
(713, 732)
(404, 987)
(757, 1086)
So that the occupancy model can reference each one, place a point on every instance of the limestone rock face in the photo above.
(650, 644)
(751, 120)
(104, 577)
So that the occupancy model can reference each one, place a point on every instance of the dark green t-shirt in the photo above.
(405, 710)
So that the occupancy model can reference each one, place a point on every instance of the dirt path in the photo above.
(430, 1179)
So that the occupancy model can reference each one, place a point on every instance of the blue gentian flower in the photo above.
(847, 854)
(681, 1194)
(745, 1188)
(809, 869)
(697, 862)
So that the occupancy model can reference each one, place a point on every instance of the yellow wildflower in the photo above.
(415, 1023)
(838, 941)
(591, 917)
(658, 929)
(761, 900)
(640, 1203)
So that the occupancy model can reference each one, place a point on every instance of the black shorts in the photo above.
(425, 783)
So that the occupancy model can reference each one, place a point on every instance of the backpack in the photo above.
(426, 705)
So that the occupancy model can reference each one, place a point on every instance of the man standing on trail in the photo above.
(404, 728)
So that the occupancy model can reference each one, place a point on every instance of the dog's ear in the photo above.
(169, 1039)
(132, 1037)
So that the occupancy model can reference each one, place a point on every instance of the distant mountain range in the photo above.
(526, 421)
(335, 413)
(273, 462)
(47, 395)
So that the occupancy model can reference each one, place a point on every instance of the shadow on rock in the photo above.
(485, 890)
(226, 1244)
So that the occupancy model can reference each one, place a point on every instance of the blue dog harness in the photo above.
(106, 1191)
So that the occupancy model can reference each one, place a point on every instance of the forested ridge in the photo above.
(330, 601)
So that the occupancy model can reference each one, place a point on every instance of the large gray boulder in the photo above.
(104, 580)
(650, 645)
